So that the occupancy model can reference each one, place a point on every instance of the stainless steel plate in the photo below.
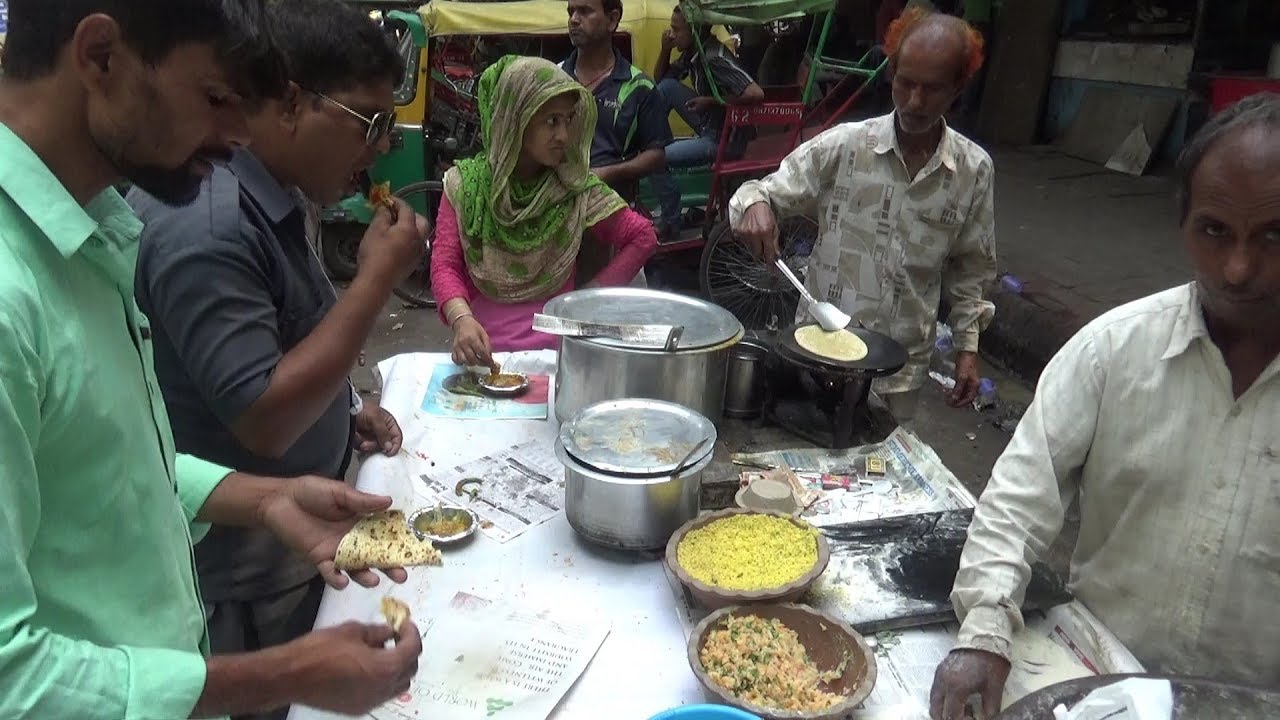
(705, 324)
(637, 436)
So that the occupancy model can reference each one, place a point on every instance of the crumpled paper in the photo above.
(1132, 699)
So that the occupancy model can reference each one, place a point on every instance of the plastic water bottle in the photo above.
(943, 361)
(986, 394)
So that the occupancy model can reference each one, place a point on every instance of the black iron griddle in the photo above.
(902, 569)
(822, 400)
(885, 356)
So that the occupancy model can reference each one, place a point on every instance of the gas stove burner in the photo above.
(828, 411)
(825, 401)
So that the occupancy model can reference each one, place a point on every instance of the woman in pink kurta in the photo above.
(514, 218)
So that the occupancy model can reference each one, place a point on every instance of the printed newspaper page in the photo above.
(908, 479)
(488, 659)
(510, 491)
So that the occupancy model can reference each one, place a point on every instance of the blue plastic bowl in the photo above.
(705, 712)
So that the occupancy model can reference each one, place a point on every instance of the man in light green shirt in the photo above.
(100, 613)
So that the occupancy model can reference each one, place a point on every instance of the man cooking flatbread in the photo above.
(905, 206)
(1161, 419)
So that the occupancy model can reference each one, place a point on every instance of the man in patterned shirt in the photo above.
(905, 206)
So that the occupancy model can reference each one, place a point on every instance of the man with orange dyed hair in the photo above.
(905, 205)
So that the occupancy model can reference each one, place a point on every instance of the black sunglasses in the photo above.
(377, 127)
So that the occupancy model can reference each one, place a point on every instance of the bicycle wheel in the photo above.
(754, 291)
(424, 198)
(339, 244)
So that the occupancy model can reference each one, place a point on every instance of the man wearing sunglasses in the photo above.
(252, 344)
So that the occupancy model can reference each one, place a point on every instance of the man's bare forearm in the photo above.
(308, 376)
(237, 501)
(640, 166)
(244, 684)
(662, 65)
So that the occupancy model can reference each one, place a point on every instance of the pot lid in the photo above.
(637, 436)
(705, 324)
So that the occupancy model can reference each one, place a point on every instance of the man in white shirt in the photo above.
(1162, 418)
(905, 207)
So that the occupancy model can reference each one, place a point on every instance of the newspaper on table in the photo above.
(510, 491)
(1066, 641)
(488, 659)
(914, 479)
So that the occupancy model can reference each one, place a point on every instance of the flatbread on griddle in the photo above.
(395, 612)
(840, 345)
(383, 541)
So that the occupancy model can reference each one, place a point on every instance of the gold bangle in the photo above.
(459, 316)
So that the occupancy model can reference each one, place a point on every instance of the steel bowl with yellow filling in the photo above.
(503, 384)
(444, 524)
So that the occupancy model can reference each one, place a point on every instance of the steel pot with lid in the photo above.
(592, 370)
(633, 470)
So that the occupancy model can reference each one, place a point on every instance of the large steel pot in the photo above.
(633, 471)
(591, 370)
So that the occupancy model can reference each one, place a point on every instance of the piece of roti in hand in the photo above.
(395, 612)
(839, 345)
(384, 541)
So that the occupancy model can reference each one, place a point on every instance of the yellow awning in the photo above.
(643, 20)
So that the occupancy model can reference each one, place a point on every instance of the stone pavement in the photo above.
(1081, 240)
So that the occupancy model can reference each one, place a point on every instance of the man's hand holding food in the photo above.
(347, 668)
(394, 244)
(312, 514)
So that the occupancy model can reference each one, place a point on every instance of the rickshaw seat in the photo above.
(766, 152)
(782, 93)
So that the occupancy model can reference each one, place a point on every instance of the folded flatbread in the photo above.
(840, 345)
(395, 611)
(384, 541)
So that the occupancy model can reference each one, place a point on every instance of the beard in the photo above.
(917, 124)
(173, 186)
(583, 39)
(1241, 311)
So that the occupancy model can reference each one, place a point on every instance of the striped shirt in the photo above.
(715, 62)
(1179, 489)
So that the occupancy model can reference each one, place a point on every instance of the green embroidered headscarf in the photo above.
(520, 240)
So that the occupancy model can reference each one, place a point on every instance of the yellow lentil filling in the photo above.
(748, 552)
(763, 662)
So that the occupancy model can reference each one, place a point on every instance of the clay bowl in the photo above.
(826, 640)
(712, 597)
